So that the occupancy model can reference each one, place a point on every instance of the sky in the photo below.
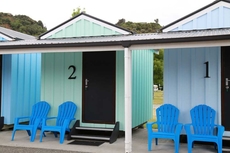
(55, 12)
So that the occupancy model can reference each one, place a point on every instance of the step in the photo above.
(225, 149)
(226, 138)
(90, 137)
(94, 129)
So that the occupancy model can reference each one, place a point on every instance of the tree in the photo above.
(22, 23)
(144, 27)
(158, 68)
(78, 11)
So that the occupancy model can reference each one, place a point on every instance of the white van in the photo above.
(155, 87)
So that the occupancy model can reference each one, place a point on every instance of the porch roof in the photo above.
(179, 39)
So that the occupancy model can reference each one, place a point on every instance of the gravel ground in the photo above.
(8, 149)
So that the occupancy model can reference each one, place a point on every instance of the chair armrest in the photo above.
(47, 118)
(188, 128)
(16, 120)
(220, 130)
(179, 127)
(149, 126)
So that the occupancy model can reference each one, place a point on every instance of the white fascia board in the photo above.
(196, 44)
(86, 18)
(194, 16)
(61, 49)
(6, 37)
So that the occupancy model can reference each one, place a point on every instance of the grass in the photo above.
(157, 100)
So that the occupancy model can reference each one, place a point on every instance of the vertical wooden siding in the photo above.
(184, 82)
(56, 87)
(142, 86)
(218, 18)
(20, 84)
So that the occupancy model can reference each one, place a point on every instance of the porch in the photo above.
(139, 143)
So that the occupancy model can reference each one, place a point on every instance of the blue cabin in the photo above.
(20, 79)
(199, 75)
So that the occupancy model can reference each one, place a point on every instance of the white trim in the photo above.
(128, 100)
(182, 45)
(61, 49)
(194, 16)
(86, 18)
(5, 37)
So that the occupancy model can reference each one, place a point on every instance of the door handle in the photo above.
(86, 84)
(226, 84)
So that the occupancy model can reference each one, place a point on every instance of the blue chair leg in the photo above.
(149, 144)
(156, 141)
(13, 133)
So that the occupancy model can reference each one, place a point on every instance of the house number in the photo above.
(207, 70)
(72, 76)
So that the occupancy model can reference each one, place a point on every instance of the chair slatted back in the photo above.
(66, 110)
(203, 118)
(167, 118)
(39, 110)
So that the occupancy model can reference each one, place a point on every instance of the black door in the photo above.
(225, 87)
(98, 87)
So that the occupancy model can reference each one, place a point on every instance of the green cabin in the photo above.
(95, 80)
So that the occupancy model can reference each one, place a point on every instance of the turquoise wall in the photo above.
(20, 85)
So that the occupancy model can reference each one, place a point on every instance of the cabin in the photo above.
(19, 79)
(200, 75)
(95, 80)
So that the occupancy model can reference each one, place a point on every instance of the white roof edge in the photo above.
(86, 18)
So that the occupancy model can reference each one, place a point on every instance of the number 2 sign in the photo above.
(72, 75)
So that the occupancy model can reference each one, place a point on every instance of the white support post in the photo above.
(128, 100)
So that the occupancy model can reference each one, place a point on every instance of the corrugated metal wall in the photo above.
(20, 85)
(184, 82)
(217, 18)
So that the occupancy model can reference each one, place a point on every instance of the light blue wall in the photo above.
(184, 82)
(20, 85)
(217, 18)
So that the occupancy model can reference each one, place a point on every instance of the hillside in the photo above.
(22, 23)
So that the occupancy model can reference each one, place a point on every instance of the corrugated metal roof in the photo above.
(14, 34)
(123, 40)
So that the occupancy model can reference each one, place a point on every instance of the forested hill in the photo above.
(140, 27)
(22, 23)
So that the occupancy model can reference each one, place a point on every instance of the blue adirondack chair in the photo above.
(203, 127)
(66, 113)
(40, 110)
(168, 126)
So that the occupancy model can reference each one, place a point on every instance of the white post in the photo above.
(128, 100)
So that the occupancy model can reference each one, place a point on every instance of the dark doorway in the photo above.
(225, 87)
(98, 86)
